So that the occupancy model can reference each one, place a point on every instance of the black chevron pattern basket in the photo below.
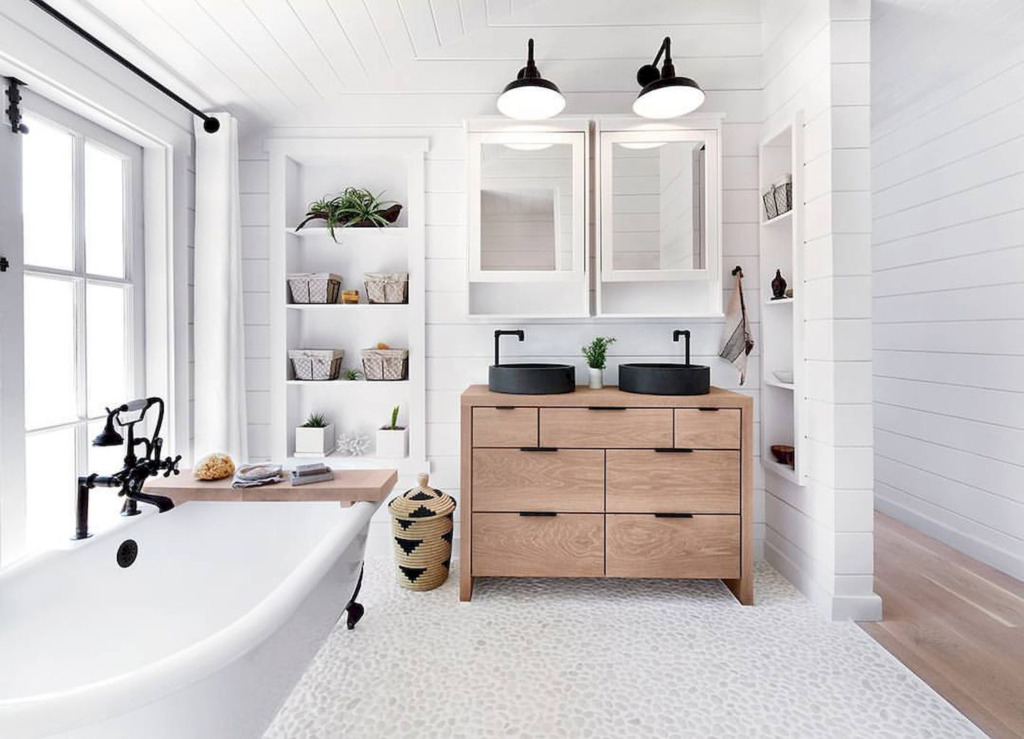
(422, 524)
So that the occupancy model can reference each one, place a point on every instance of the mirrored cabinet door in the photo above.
(528, 227)
(659, 205)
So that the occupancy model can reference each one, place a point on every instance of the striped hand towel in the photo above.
(737, 341)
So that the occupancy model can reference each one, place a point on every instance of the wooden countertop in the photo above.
(347, 486)
(610, 395)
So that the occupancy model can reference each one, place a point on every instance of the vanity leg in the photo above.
(743, 589)
(465, 588)
(355, 610)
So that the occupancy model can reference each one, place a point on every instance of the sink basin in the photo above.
(665, 379)
(532, 379)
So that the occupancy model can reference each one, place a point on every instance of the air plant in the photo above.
(354, 208)
(315, 421)
(352, 374)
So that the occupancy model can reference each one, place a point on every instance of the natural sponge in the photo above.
(214, 467)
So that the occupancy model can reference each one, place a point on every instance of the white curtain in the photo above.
(219, 412)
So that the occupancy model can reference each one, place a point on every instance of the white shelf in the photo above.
(349, 234)
(781, 301)
(782, 470)
(338, 384)
(783, 385)
(778, 219)
(328, 307)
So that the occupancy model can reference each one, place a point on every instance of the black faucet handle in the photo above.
(171, 465)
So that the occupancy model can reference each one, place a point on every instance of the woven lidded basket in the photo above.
(385, 364)
(316, 364)
(320, 287)
(422, 523)
(384, 287)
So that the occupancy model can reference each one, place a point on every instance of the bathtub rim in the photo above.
(93, 702)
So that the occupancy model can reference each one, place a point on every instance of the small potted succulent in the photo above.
(354, 208)
(392, 439)
(314, 438)
(596, 355)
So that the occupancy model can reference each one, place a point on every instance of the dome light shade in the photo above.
(663, 94)
(529, 96)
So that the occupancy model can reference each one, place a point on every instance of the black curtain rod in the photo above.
(210, 124)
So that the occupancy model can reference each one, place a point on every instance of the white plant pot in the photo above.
(596, 378)
(314, 442)
(392, 444)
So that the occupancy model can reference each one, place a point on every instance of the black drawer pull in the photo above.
(671, 515)
(505, 407)
(538, 449)
(673, 450)
(708, 410)
(537, 514)
(606, 408)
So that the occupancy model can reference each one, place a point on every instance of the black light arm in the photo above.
(210, 124)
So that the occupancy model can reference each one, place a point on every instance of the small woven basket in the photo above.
(387, 287)
(385, 364)
(316, 364)
(422, 524)
(321, 287)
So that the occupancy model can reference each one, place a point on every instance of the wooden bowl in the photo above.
(784, 454)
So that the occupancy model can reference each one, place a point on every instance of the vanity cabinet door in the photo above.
(505, 427)
(562, 480)
(644, 545)
(647, 481)
(711, 428)
(563, 545)
(593, 428)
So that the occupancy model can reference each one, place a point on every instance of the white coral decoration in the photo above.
(353, 445)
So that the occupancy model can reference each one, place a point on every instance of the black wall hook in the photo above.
(737, 270)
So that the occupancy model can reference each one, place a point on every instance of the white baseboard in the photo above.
(832, 607)
(969, 545)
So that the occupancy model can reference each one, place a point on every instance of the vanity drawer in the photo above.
(562, 545)
(713, 428)
(508, 427)
(606, 428)
(564, 480)
(641, 545)
(647, 481)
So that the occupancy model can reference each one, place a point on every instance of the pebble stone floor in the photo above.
(605, 658)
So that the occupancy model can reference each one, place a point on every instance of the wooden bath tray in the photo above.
(347, 486)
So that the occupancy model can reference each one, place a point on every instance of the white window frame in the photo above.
(134, 279)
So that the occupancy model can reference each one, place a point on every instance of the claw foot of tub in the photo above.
(355, 612)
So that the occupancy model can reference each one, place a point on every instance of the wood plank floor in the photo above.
(957, 623)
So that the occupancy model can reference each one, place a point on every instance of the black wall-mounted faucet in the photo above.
(520, 334)
(136, 470)
(686, 335)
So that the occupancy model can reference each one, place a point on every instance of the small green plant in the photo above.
(596, 351)
(393, 426)
(353, 207)
(352, 374)
(315, 421)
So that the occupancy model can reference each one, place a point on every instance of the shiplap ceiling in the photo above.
(920, 45)
(265, 59)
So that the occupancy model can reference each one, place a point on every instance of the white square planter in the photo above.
(392, 444)
(314, 442)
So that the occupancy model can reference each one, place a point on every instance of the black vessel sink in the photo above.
(532, 379)
(665, 379)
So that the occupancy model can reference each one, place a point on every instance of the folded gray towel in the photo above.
(256, 475)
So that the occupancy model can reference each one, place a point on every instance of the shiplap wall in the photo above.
(727, 60)
(948, 199)
(816, 60)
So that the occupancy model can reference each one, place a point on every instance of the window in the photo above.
(83, 306)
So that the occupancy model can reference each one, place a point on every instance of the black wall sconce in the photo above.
(664, 95)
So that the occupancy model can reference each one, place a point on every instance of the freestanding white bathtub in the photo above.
(204, 635)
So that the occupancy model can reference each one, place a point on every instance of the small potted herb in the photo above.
(354, 208)
(596, 355)
(314, 438)
(392, 439)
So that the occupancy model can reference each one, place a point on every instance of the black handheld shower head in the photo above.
(109, 436)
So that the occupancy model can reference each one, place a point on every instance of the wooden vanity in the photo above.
(602, 483)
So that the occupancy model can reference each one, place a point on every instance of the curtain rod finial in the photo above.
(211, 125)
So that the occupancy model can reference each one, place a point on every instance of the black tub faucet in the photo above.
(685, 333)
(519, 333)
(136, 470)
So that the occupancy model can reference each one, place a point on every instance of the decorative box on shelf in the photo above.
(319, 287)
(316, 364)
(385, 364)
